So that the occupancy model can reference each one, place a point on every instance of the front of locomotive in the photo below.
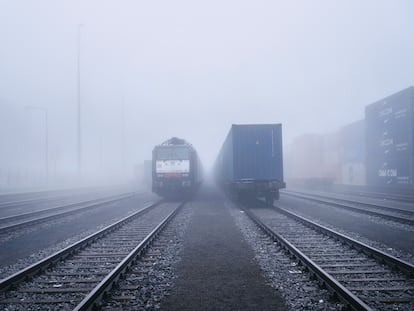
(172, 169)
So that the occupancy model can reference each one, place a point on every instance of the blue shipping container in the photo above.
(392, 173)
(390, 140)
(352, 142)
(251, 159)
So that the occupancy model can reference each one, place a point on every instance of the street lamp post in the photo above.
(123, 137)
(45, 111)
(79, 104)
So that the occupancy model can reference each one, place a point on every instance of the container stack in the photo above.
(352, 153)
(390, 141)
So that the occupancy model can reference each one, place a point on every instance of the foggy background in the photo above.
(153, 70)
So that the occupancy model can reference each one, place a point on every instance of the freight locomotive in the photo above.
(176, 169)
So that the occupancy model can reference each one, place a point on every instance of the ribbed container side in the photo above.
(353, 173)
(257, 152)
(392, 172)
(224, 165)
(352, 141)
(390, 140)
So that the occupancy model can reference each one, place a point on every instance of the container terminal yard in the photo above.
(237, 241)
(207, 156)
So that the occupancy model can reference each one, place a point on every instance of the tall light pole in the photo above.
(123, 137)
(45, 111)
(79, 105)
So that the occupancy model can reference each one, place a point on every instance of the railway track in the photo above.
(362, 277)
(7, 198)
(15, 222)
(400, 215)
(31, 201)
(43, 200)
(409, 198)
(79, 276)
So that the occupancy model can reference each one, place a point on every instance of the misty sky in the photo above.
(191, 69)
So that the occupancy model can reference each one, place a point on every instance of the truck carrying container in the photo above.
(390, 141)
(250, 162)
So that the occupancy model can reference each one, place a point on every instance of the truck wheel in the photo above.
(276, 195)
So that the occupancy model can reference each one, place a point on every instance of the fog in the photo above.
(150, 70)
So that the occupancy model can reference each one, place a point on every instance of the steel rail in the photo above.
(60, 207)
(91, 301)
(353, 201)
(28, 201)
(37, 197)
(60, 194)
(407, 198)
(64, 253)
(66, 213)
(331, 201)
(28, 197)
(395, 262)
(342, 292)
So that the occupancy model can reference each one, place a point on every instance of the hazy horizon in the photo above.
(189, 70)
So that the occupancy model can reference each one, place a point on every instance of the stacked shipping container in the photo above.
(313, 159)
(377, 151)
(390, 140)
(352, 153)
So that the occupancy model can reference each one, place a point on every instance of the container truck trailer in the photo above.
(250, 162)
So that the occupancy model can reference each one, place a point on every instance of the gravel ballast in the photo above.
(30, 245)
(152, 278)
(218, 270)
(283, 272)
(379, 233)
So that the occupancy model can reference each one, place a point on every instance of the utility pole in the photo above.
(100, 155)
(123, 137)
(47, 145)
(79, 106)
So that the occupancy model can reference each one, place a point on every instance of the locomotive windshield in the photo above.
(173, 153)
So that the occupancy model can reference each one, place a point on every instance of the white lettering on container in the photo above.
(386, 142)
(387, 173)
(401, 146)
(401, 113)
(385, 111)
